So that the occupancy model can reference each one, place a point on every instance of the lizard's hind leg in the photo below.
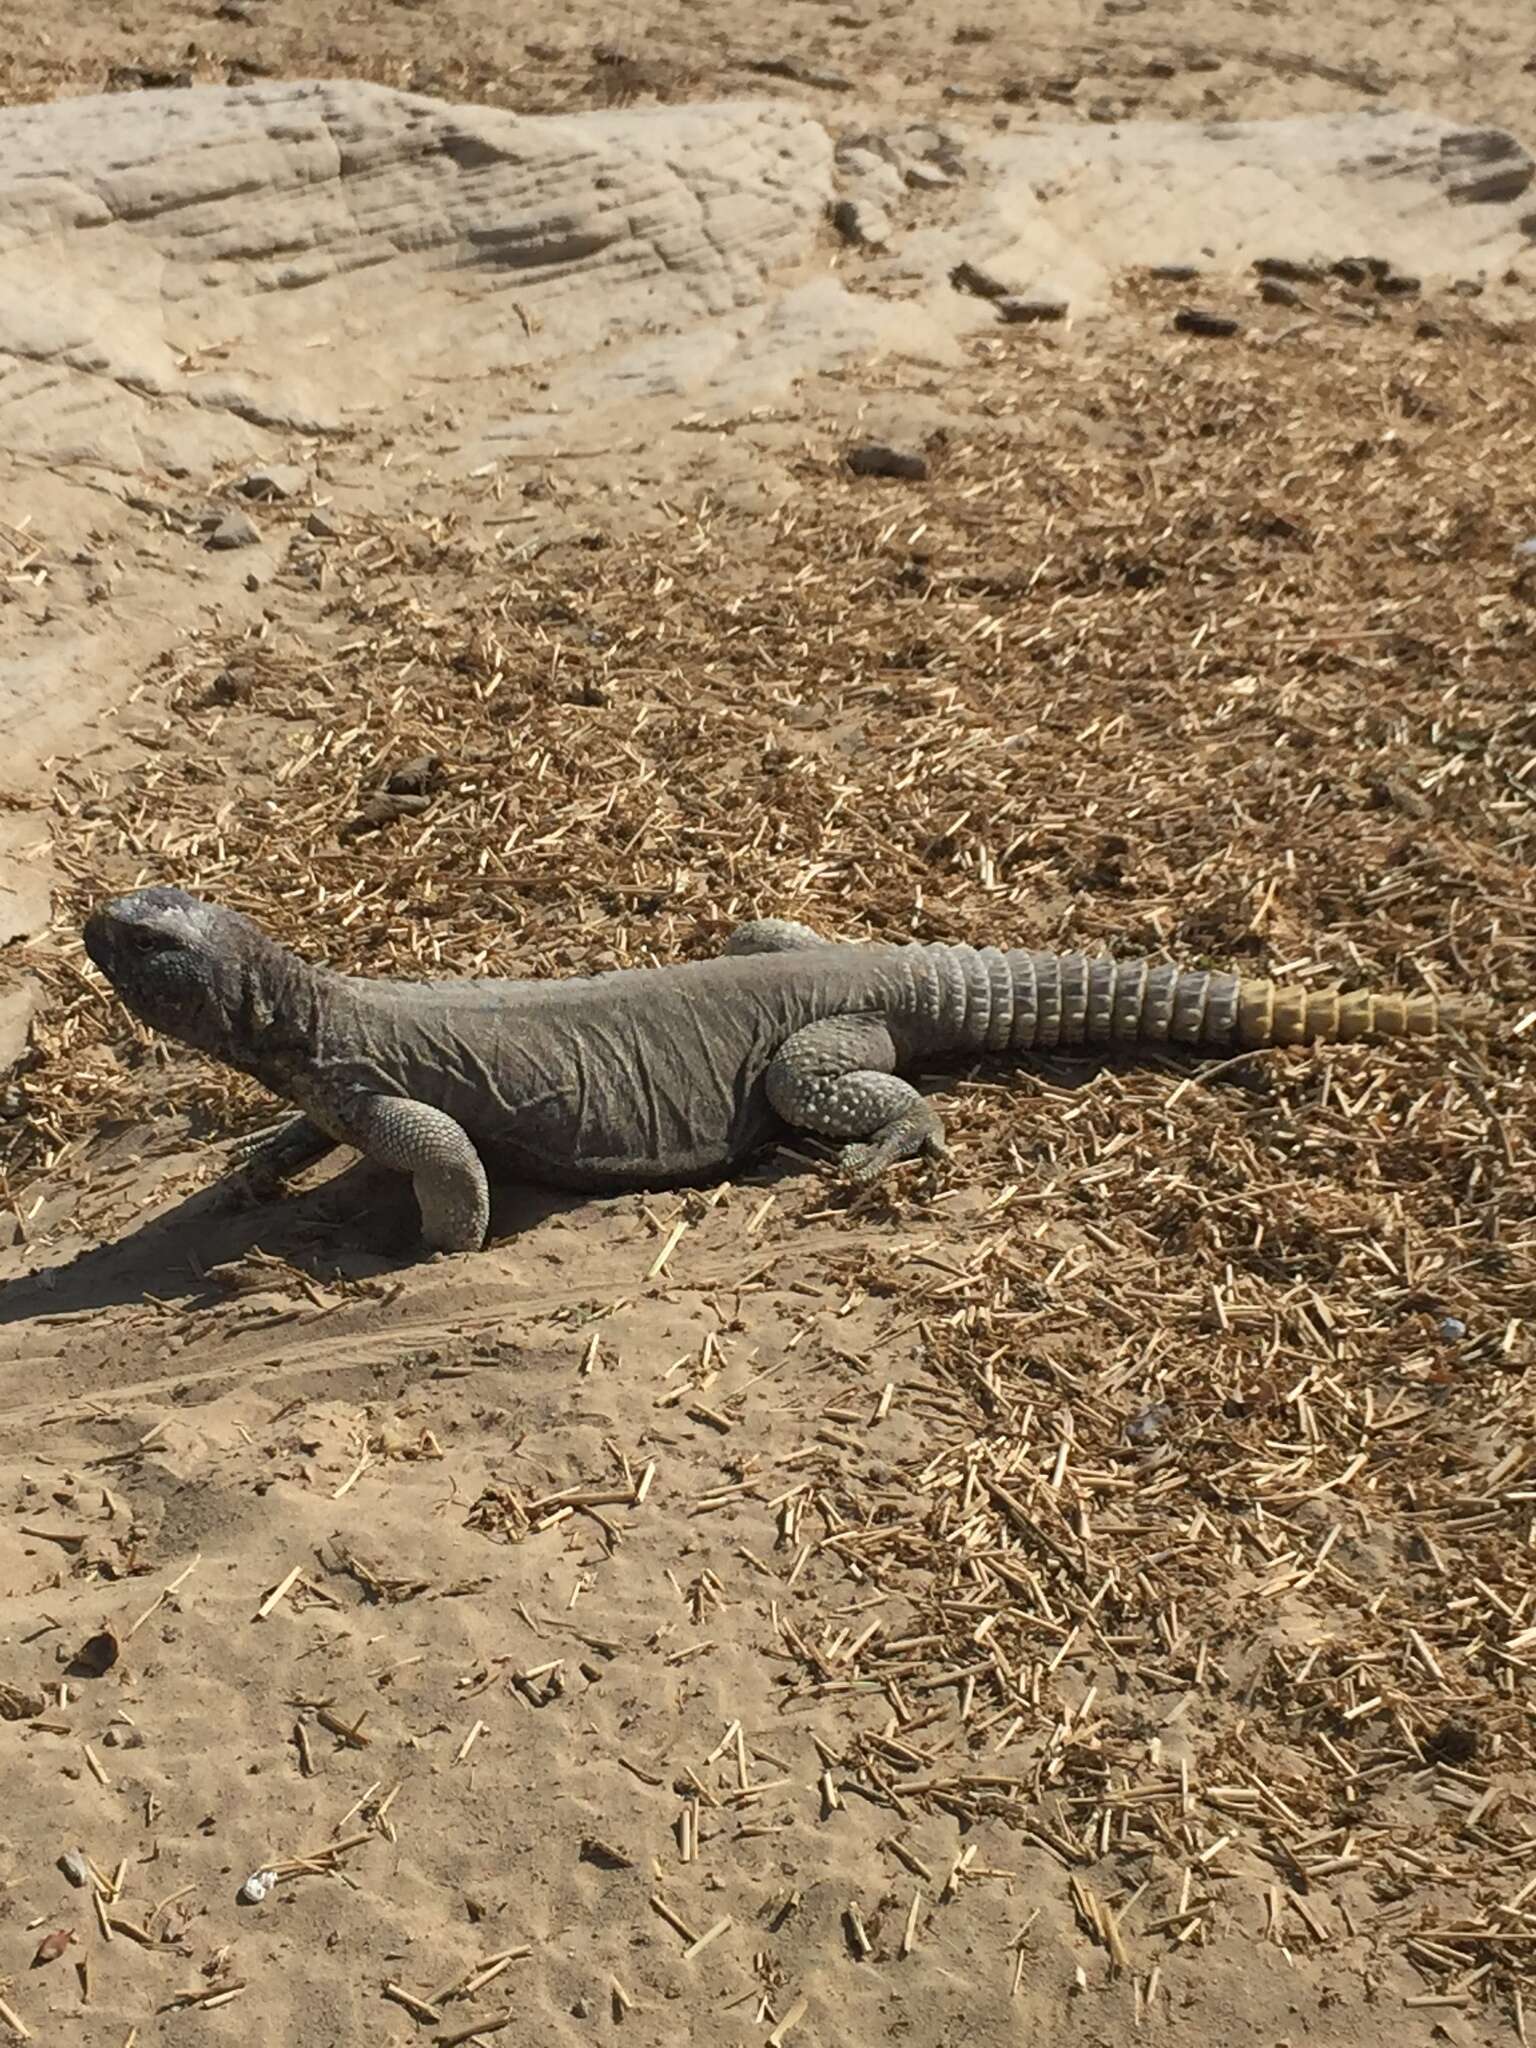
(836, 1078)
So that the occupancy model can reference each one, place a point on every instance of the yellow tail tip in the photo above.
(1269, 1014)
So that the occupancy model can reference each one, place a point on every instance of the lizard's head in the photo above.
(185, 967)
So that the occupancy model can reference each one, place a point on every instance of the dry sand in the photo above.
(1082, 1593)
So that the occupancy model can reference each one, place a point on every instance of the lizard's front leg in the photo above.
(446, 1171)
(836, 1078)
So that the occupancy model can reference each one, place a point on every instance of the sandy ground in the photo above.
(1083, 1592)
(1180, 58)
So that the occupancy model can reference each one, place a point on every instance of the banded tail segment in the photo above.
(984, 1000)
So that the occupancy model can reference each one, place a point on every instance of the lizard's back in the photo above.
(635, 1077)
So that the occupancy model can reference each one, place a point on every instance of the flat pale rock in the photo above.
(325, 241)
(1086, 205)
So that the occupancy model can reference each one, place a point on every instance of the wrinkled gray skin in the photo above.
(643, 1078)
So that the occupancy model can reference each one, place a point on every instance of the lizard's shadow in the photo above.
(363, 1221)
(360, 1222)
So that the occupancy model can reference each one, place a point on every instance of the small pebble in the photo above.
(864, 156)
(415, 777)
(873, 179)
(800, 72)
(1288, 270)
(145, 78)
(926, 142)
(1452, 1329)
(75, 1867)
(1017, 309)
(96, 1655)
(866, 143)
(1215, 326)
(234, 531)
(1147, 1427)
(1175, 273)
(862, 223)
(384, 808)
(256, 1887)
(879, 458)
(277, 480)
(979, 282)
(1274, 291)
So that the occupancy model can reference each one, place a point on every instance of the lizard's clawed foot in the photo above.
(918, 1134)
(278, 1151)
(248, 1148)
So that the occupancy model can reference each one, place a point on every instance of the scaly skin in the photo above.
(655, 1076)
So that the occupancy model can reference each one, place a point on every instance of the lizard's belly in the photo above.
(599, 1108)
(560, 1146)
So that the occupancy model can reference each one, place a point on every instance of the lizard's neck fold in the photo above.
(280, 1006)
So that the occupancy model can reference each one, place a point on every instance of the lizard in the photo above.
(664, 1076)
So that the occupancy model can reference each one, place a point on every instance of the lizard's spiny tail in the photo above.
(984, 1000)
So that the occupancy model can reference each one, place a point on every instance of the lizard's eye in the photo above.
(143, 940)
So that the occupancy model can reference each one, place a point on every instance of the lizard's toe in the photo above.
(862, 1163)
(865, 1163)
